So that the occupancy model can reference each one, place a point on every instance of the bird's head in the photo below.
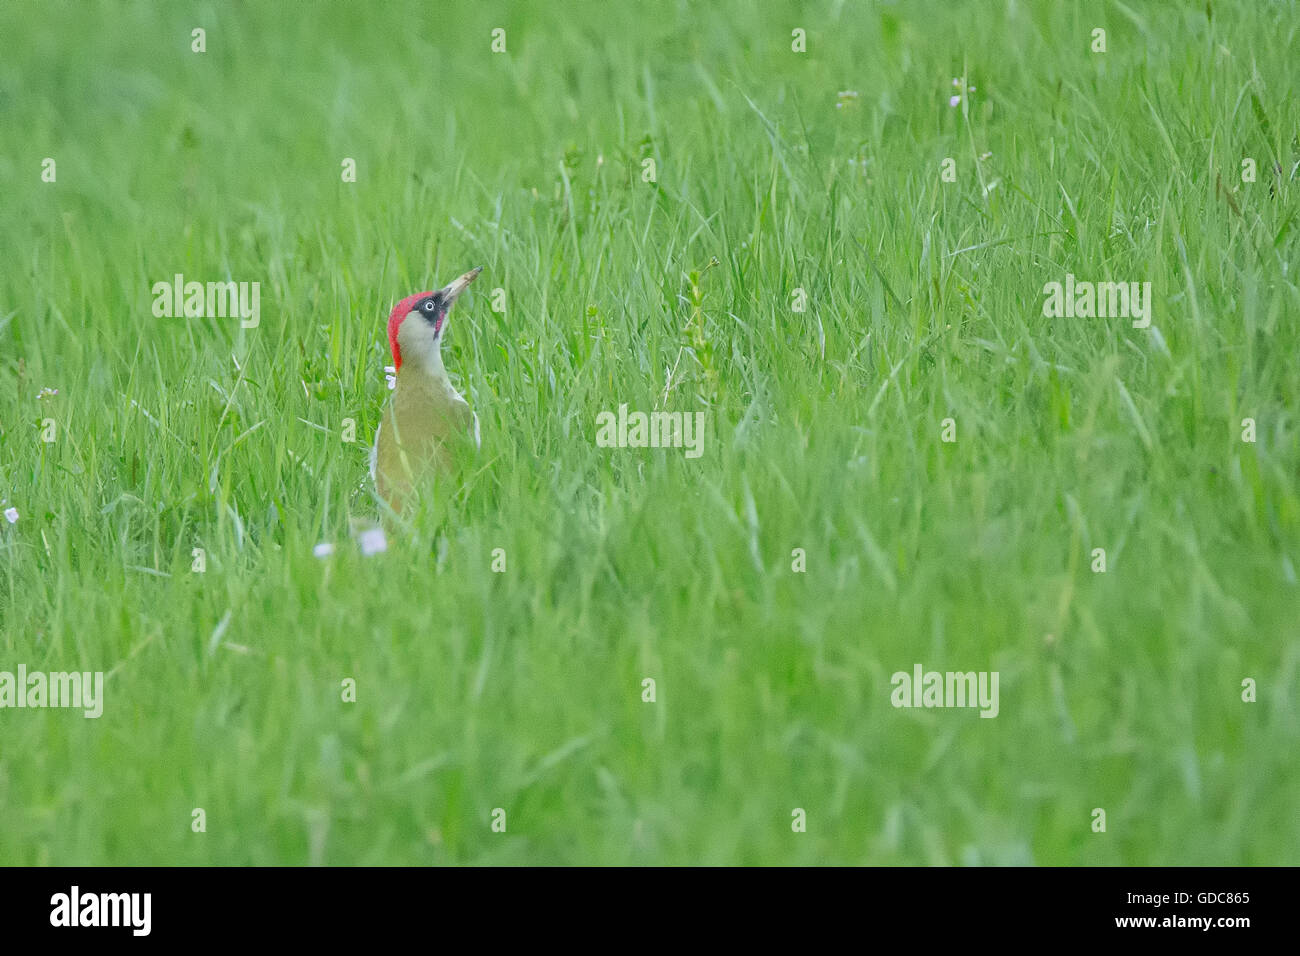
(416, 324)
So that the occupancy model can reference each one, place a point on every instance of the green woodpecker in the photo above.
(427, 421)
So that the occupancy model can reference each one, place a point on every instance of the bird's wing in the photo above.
(466, 418)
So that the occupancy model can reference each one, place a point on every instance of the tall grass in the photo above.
(774, 172)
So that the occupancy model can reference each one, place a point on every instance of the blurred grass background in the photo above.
(522, 690)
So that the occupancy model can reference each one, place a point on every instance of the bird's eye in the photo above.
(428, 306)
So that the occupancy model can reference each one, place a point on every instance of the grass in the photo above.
(522, 690)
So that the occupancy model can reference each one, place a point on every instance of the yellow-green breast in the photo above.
(424, 429)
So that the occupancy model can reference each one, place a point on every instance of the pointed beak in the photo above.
(453, 290)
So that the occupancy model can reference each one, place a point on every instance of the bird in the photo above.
(427, 423)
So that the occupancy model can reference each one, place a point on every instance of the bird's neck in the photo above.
(423, 370)
(424, 375)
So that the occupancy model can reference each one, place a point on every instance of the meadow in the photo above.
(837, 254)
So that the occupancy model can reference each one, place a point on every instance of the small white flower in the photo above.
(11, 515)
(373, 541)
(47, 392)
(390, 376)
(954, 100)
(323, 550)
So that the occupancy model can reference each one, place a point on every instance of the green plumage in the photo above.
(424, 429)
